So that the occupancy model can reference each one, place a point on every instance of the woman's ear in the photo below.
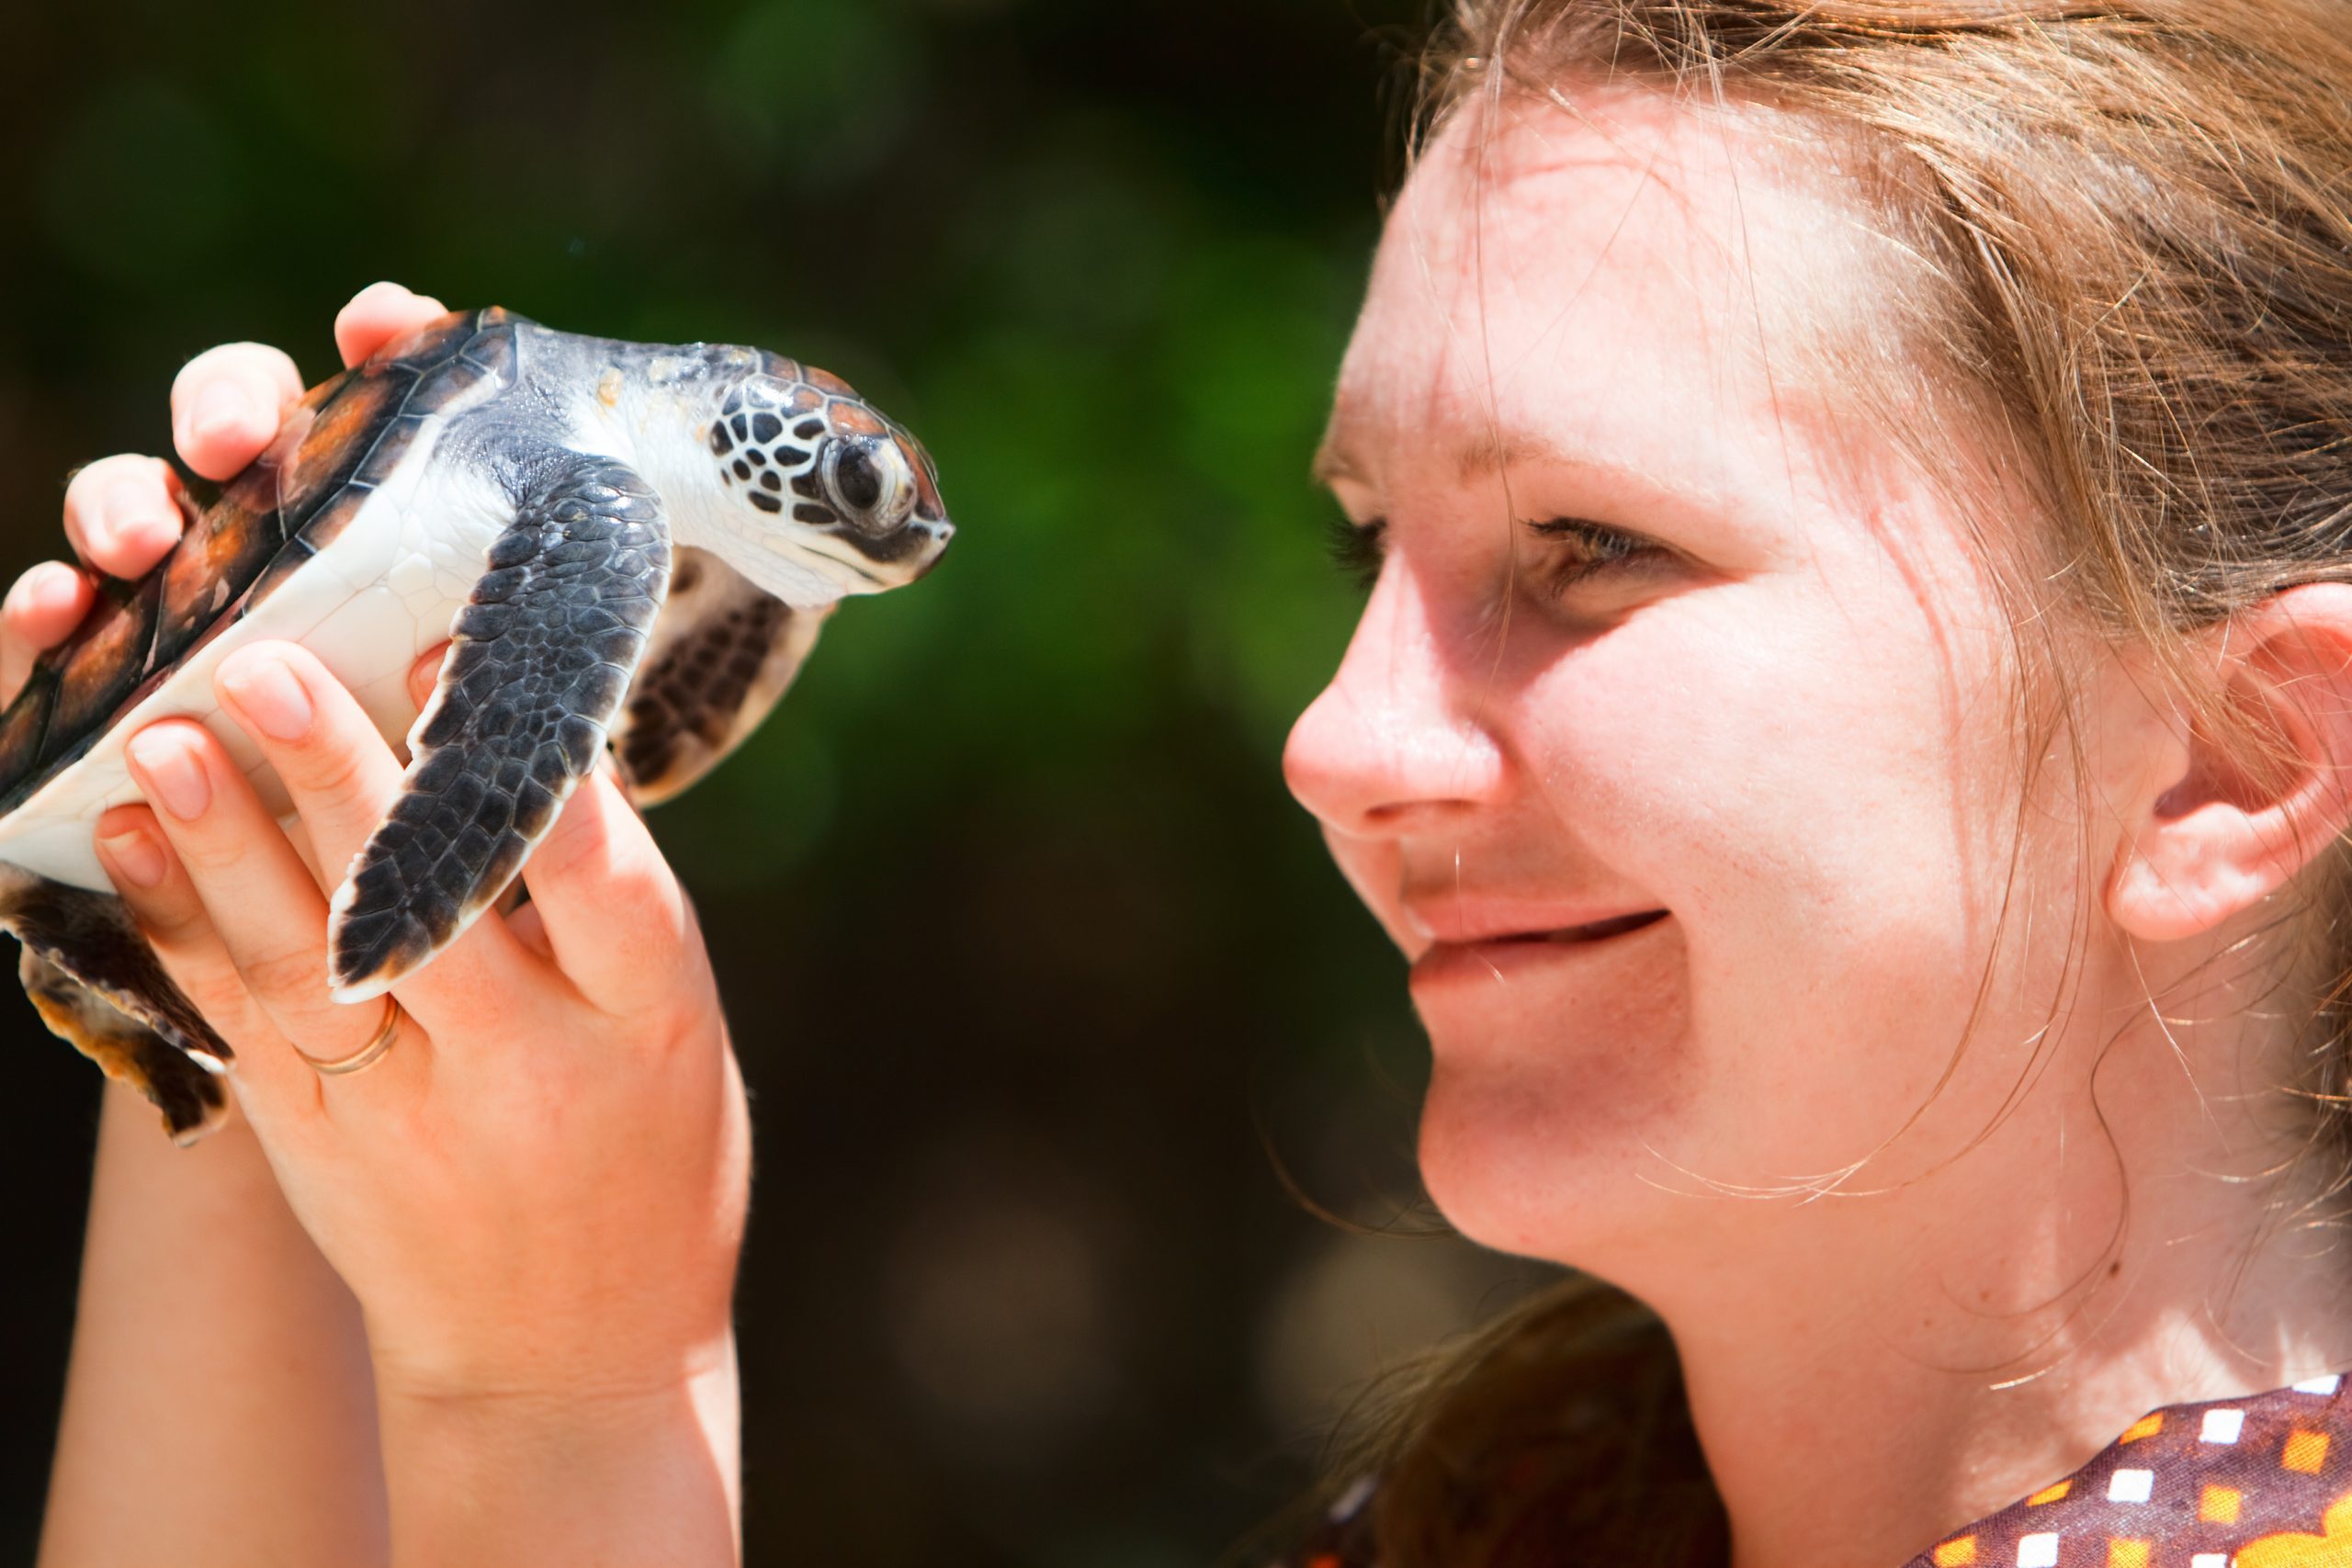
(2234, 822)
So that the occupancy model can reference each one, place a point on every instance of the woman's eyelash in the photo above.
(1582, 548)
(1356, 549)
(1577, 548)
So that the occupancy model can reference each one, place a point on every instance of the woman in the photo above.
(1846, 727)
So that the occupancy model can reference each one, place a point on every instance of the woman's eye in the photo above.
(1356, 549)
(1573, 550)
(1576, 549)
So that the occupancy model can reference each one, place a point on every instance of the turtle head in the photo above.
(816, 494)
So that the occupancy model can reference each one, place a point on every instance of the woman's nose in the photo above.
(1394, 744)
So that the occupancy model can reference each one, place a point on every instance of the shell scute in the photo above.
(492, 353)
(24, 727)
(434, 341)
(344, 436)
(284, 564)
(391, 446)
(325, 523)
(226, 548)
(452, 378)
(225, 553)
(105, 663)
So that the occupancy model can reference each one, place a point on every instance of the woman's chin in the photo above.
(1547, 1165)
(1554, 1078)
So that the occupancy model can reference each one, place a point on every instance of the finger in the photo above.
(256, 891)
(616, 918)
(226, 404)
(122, 514)
(138, 858)
(531, 932)
(343, 779)
(379, 313)
(42, 607)
(425, 674)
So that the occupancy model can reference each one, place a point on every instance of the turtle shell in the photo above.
(343, 440)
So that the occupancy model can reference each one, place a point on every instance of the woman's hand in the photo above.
(537, 1193)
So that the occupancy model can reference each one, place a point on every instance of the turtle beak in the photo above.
(940, 530)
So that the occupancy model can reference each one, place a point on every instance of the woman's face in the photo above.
(1675, 747)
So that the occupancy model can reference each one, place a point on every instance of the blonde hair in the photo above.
(2136, 221)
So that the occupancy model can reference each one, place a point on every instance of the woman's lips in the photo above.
(1597, 930)
(1495, 954)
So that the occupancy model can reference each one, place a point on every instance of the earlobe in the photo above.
(2243, 813)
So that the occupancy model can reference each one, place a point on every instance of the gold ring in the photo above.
(368, 1056)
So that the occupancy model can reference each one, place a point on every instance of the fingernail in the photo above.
(223, 407)
(266, 691)
(51, 586)
(135, 855)
(173, 773)
(128, 508)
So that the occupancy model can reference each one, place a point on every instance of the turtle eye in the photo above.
(870, 484)
(855, 478)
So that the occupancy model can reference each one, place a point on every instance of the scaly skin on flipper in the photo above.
(537, 669)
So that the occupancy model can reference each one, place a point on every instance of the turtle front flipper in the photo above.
(724, 650)
(97, 984)
(540, 659)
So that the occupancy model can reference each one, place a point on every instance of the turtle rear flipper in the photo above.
(723, 652)
(537, 663)
(97, 984)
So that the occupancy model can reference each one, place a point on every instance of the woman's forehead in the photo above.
(1627, 274)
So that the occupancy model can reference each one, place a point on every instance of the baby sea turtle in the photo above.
(625, 544)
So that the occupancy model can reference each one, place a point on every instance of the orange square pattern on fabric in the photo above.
(2306, 1451)
(2269, 1491)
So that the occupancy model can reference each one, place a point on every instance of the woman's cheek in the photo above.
(1772, 792)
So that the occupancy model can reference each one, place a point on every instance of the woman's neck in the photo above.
(1870, 1373)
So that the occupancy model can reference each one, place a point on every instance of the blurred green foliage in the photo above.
(1023, 939)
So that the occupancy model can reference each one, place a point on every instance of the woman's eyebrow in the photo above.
(1483, 457)
(1508, 449)
(1501, 449)
(1477, 459)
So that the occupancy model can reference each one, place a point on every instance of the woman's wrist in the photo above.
(614, 1471)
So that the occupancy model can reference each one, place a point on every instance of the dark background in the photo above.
(1039, 978)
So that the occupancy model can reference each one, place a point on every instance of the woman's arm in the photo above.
(218, 1408)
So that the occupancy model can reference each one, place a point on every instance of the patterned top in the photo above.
(2258, 1482)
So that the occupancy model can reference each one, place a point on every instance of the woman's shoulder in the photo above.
(2263, 1482)
(2259, 1482)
